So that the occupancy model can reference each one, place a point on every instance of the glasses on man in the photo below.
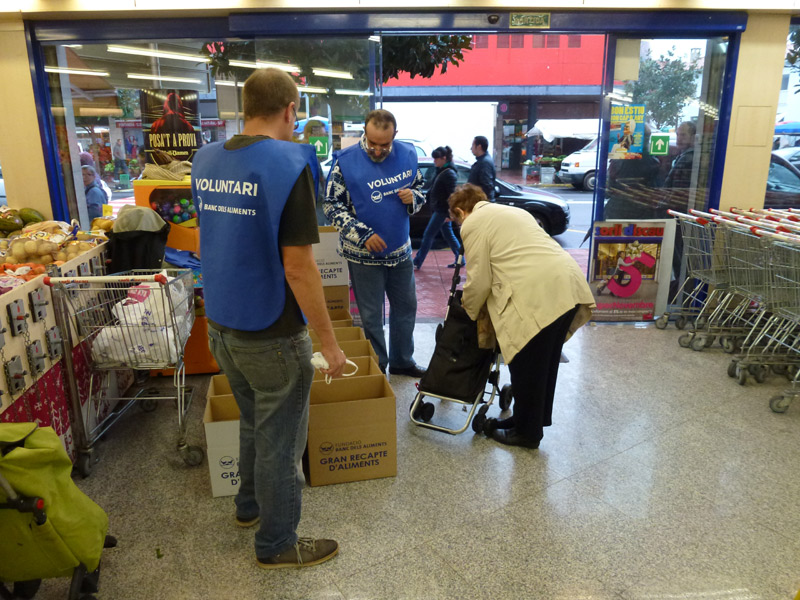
(378, 150)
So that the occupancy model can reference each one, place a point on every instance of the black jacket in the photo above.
(482, 175)
(443, 185)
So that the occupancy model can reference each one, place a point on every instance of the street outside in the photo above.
(580, 206)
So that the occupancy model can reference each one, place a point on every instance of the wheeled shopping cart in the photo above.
(48, 527)
(459, 370)
(137, 320)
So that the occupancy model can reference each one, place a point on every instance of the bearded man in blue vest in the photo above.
(255, 199)
(373, 188)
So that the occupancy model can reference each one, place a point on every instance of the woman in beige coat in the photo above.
(535, 295)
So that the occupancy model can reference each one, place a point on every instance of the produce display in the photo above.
(28, 243)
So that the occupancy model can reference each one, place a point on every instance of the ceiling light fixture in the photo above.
(332, 73)
(311, 90)
(264, 65)
(158, 53)
(225, 83)
(374, 38)
(352, 93)
(162, 78)
(76, 71)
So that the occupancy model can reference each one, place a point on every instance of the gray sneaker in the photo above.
(307, 552)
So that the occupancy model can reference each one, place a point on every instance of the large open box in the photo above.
(337, 299)
(366, 366)
(221, 422)
(352, 432)
(342, 334)
(332, 267)
(353, 349)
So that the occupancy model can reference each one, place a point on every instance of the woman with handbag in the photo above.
(536, 296)
(444, 184)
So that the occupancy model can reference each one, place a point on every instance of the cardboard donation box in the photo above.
(353, 349)
(342, 334)
(221, 422)
(332, 267)
(366, 366)
(352, 432)
(337, 299)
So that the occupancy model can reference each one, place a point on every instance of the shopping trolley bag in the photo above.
(459, 367)
(66, 529)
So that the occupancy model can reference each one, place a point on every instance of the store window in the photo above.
(783, 179)
(573, 41)
(553, 41)
(110, 102)
(503, 40)
(480, 41)
(538, 41)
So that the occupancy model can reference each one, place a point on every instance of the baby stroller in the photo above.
(459, 370)
(48, 527)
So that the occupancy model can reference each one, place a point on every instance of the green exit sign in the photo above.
(659, 145)
(530, 20)
(320, 145)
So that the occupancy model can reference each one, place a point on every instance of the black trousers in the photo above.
(534, 372)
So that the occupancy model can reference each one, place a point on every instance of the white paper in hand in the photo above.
(318, 362)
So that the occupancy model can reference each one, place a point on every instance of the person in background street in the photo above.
(482, 172)
(120, 161)
(95, 196)
(535, 294)
(264, 228)
(373, 188)
(444, 184)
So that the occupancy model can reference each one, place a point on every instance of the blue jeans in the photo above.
(271, 381)
(370, 284)
(437, 223)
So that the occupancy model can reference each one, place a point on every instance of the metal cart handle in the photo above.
(158, 278)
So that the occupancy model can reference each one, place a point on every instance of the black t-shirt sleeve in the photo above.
(299, 219)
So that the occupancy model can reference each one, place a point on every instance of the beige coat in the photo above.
(524, 277)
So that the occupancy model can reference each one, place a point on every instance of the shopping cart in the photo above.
(132, 320)
(706, 274)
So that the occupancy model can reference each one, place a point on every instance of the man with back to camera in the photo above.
(255, 199)
(482, 171)
(373, 188)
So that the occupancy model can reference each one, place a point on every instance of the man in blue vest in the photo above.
(373, 188)
(255, 200)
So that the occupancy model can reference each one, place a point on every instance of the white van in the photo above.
(579, 168)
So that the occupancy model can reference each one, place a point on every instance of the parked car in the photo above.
(790, 153)
(551, 211)
(579, 168)
(783, 184)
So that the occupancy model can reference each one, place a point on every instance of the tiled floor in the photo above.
(661, 478)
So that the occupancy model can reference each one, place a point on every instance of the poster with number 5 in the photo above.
(630, 268)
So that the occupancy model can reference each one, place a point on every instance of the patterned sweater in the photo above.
(353, 233)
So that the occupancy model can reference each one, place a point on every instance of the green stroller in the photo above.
(48, 527)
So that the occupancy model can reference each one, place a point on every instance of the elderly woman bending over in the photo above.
(535, 295)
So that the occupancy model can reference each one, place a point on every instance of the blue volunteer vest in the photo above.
(240, 196)
(373, 189)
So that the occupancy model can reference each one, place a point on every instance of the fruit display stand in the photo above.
(34, 382)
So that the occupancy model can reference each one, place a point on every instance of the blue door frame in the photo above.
(655, 24)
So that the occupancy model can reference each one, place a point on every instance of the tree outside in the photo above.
(665, 86)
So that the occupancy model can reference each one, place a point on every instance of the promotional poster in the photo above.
(626, 137)
(170, 122)
(630, 268)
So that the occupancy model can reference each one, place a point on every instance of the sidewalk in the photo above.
(434, 278)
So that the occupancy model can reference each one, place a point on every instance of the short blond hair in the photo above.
(267, 92)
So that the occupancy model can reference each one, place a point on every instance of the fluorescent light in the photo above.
(332, 73)
(72, 45)
(158, 53)
(228, 83)
(352, 93)
(160, 78)
(264, 65)
(311, 90)
(374, 38)
(75, 71)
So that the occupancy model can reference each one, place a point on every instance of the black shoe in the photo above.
(452, 265)
(489, 425)
(413, 371)
(510, 437)
(306, 552)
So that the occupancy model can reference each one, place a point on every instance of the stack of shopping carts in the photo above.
(745, 267)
